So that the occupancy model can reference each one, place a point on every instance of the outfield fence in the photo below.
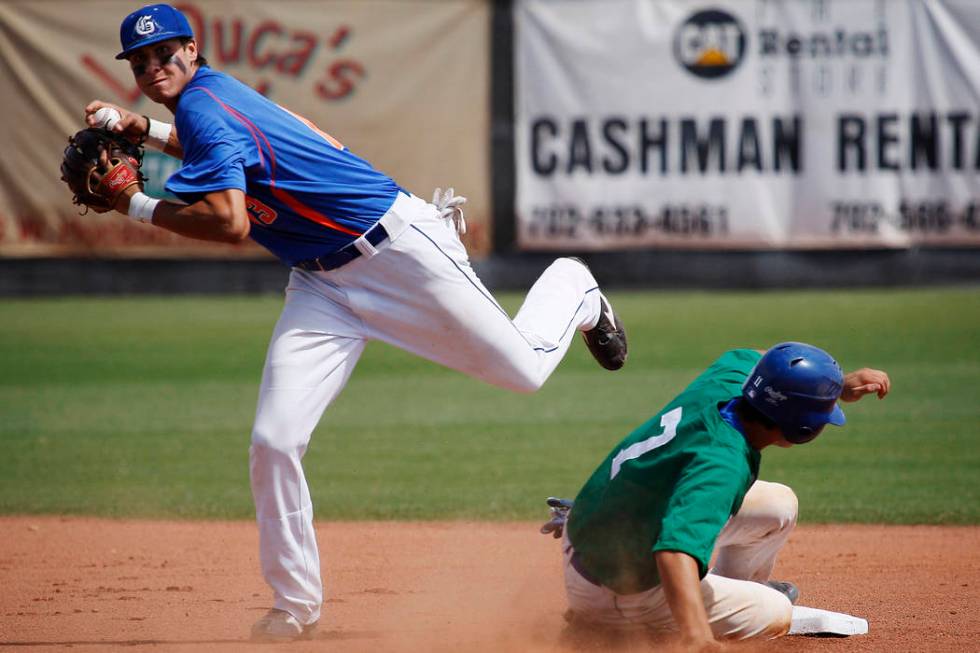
(755, 143)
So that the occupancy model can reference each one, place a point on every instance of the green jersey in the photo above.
(671, 485)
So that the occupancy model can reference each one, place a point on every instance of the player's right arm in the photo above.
(133, 126)
(219, 216)
(682, 587)
(709, 489)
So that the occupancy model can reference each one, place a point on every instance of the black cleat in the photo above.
(791, 591)
(607, 340)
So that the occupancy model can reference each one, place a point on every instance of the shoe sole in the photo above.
(787, 589)
(599, 350)
(596, 348)
(307, 633)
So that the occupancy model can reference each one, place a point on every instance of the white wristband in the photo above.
(158, 134)
(141, 207)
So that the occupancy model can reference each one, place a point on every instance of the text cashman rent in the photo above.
(687, 144)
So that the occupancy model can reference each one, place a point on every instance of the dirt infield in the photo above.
(101, 585)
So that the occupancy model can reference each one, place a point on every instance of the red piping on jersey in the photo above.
(283, 196)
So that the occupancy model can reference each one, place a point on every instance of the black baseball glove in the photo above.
(98, 166)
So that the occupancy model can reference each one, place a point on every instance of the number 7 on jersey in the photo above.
(668, 421)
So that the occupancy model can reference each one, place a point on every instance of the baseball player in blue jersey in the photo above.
(370, 261)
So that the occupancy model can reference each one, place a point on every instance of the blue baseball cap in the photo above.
(151, 24)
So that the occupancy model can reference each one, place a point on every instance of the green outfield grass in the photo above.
(143, 406)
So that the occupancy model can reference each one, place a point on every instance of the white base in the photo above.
(811, 621)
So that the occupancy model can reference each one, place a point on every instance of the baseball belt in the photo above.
(377, 234)
(576, 562)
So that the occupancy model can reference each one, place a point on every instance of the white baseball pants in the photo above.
(739, 606)
(415, 291)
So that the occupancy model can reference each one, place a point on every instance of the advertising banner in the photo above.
(402, 83)
(747, 123)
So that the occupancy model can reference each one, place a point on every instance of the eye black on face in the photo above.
(139, 61)
(164, 54)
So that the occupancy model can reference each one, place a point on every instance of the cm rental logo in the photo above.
(710, 43)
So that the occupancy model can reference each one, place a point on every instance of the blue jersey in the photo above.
(307, 195)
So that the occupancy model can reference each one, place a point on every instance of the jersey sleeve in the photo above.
(705, 496)
(215, 153)
(725, 376)
(733, 366)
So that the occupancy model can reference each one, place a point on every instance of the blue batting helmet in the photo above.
(796, 386)
(151, 24)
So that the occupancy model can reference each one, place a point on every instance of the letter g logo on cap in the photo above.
(145, 25)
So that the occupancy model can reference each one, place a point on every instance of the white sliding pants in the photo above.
(415, 291)
(739, 606)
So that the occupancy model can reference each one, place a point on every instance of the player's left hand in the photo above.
(559, 515)
(863, 382)
(102, 169)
